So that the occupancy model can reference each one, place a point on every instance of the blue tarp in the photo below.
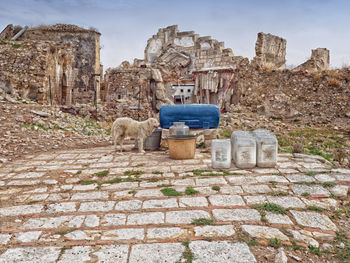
(195, 116)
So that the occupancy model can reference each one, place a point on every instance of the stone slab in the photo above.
(221, 251)
(264, 232)
(313, 219)
(156, 253)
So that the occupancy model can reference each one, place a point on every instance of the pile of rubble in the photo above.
(27, 128)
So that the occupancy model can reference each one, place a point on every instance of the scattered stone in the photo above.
(281, 256)
(112, 254)
(166, 233)
(264, 232)
(214, 231)
(76, 254)
(339, 190)
(278, 219)
(29, 236)
(236, 214)
(123, 234)
(31, 254)
(313, 219)
(185, 217)
(157, 252)
(221, 251)
(308, 240)
(226, 200)
(40, 113)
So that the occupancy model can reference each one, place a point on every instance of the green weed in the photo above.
(133, 172)
(275, 242)
(170, 192)
(190, 191)
(202, 221)
(315, 208)
(102, 173)
(216, 188)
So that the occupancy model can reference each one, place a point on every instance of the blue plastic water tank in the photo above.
(195, 116)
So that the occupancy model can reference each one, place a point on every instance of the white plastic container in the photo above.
(266, 148)
(243, 147)
(221, 153)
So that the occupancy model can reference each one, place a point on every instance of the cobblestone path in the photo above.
(96, 205)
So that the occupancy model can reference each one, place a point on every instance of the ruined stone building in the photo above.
(60, 64)
(57, 64)
(183, 67)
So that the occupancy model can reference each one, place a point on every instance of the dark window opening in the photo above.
(119, 97)
(182, 90)
(188, 90)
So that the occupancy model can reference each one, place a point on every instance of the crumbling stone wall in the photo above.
(319, 97)
(187, 51)
(270, 52)
(71, 71)
(122, 85)
(318, 61)
(84, 73)
(32, 68)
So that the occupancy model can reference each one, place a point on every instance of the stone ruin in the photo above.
(270, 52)
(318, 61)
(57, 64)
(178, 67)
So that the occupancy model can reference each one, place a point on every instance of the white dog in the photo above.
(127, 127)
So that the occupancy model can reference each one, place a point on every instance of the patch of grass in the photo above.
(78, 172)
(187, 255)
(275, 242)
(140, 165)
(244, 238)
(271, 207)
(157, 172)
(278, 193)
(87, 182)
(343, 211)
(33, 202)
(170, 192)
(132, 192)
(328, 184)
(315, 208)
(133, 172)
(153, 180)
(315, 250)
(64, 232)
(112, 181)
(164, 185)
(199, 172)
(190, 191)
(102, 173)
(205, 151)
(202, 221)
(216, 188)
(343, 254)
(305, 194)
(226, 133)
(295, 246)
(315, 151)
(310, 173)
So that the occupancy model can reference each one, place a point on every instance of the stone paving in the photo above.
(97, 205)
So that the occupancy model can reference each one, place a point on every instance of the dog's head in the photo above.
(152, 124)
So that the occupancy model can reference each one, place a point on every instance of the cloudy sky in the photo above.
(127, 24)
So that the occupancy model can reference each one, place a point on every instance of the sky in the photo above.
(126, 25)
